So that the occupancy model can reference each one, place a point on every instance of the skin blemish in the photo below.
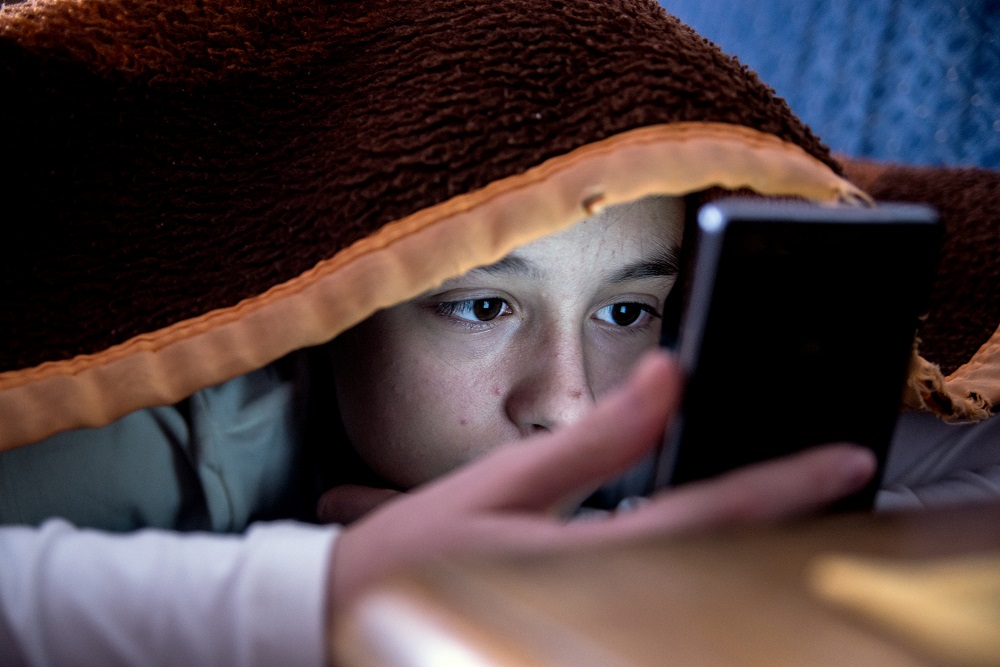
(527, 341)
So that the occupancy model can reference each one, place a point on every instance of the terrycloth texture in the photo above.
(178, 159)
(964, 308)
(195, 188)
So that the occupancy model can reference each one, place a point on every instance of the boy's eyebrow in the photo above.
(665, 264)
(511, 264)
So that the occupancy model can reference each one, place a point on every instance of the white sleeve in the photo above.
(81, 597)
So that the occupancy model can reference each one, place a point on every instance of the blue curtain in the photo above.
(914, 81)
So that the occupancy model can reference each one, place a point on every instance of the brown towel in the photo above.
(199, 187)
(958, 376)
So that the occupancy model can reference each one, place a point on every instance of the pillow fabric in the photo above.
(199, 187)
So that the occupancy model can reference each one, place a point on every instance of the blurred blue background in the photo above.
(915, 81)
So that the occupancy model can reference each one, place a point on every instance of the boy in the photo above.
(522, 346)
(497, 354)
(214, 186)
(504, 353)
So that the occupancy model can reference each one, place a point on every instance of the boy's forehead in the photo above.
(649, 220)
(661, 216)
(651, 227)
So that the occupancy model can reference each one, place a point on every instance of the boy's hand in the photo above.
(347, 503)
(507, 501)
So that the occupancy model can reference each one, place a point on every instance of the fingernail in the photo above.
(859, 466)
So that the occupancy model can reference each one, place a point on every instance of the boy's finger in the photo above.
(788, 487)
(347, 503)
(622, 428)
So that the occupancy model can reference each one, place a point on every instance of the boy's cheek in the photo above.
(462, 428)
(612, 365)
(436, 421)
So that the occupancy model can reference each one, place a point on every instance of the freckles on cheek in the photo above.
(460, 405)
(444, 393)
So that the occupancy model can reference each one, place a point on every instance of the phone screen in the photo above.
(798, 332)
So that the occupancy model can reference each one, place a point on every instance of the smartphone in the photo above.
(797, 331)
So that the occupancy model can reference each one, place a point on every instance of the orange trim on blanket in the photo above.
(978, 380)
(400, 261)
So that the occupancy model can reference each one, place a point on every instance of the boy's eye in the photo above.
(476, 310)
(626, 314)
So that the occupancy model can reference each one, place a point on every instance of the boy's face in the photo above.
(508, 350)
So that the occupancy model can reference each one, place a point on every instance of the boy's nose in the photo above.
(552, 388)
